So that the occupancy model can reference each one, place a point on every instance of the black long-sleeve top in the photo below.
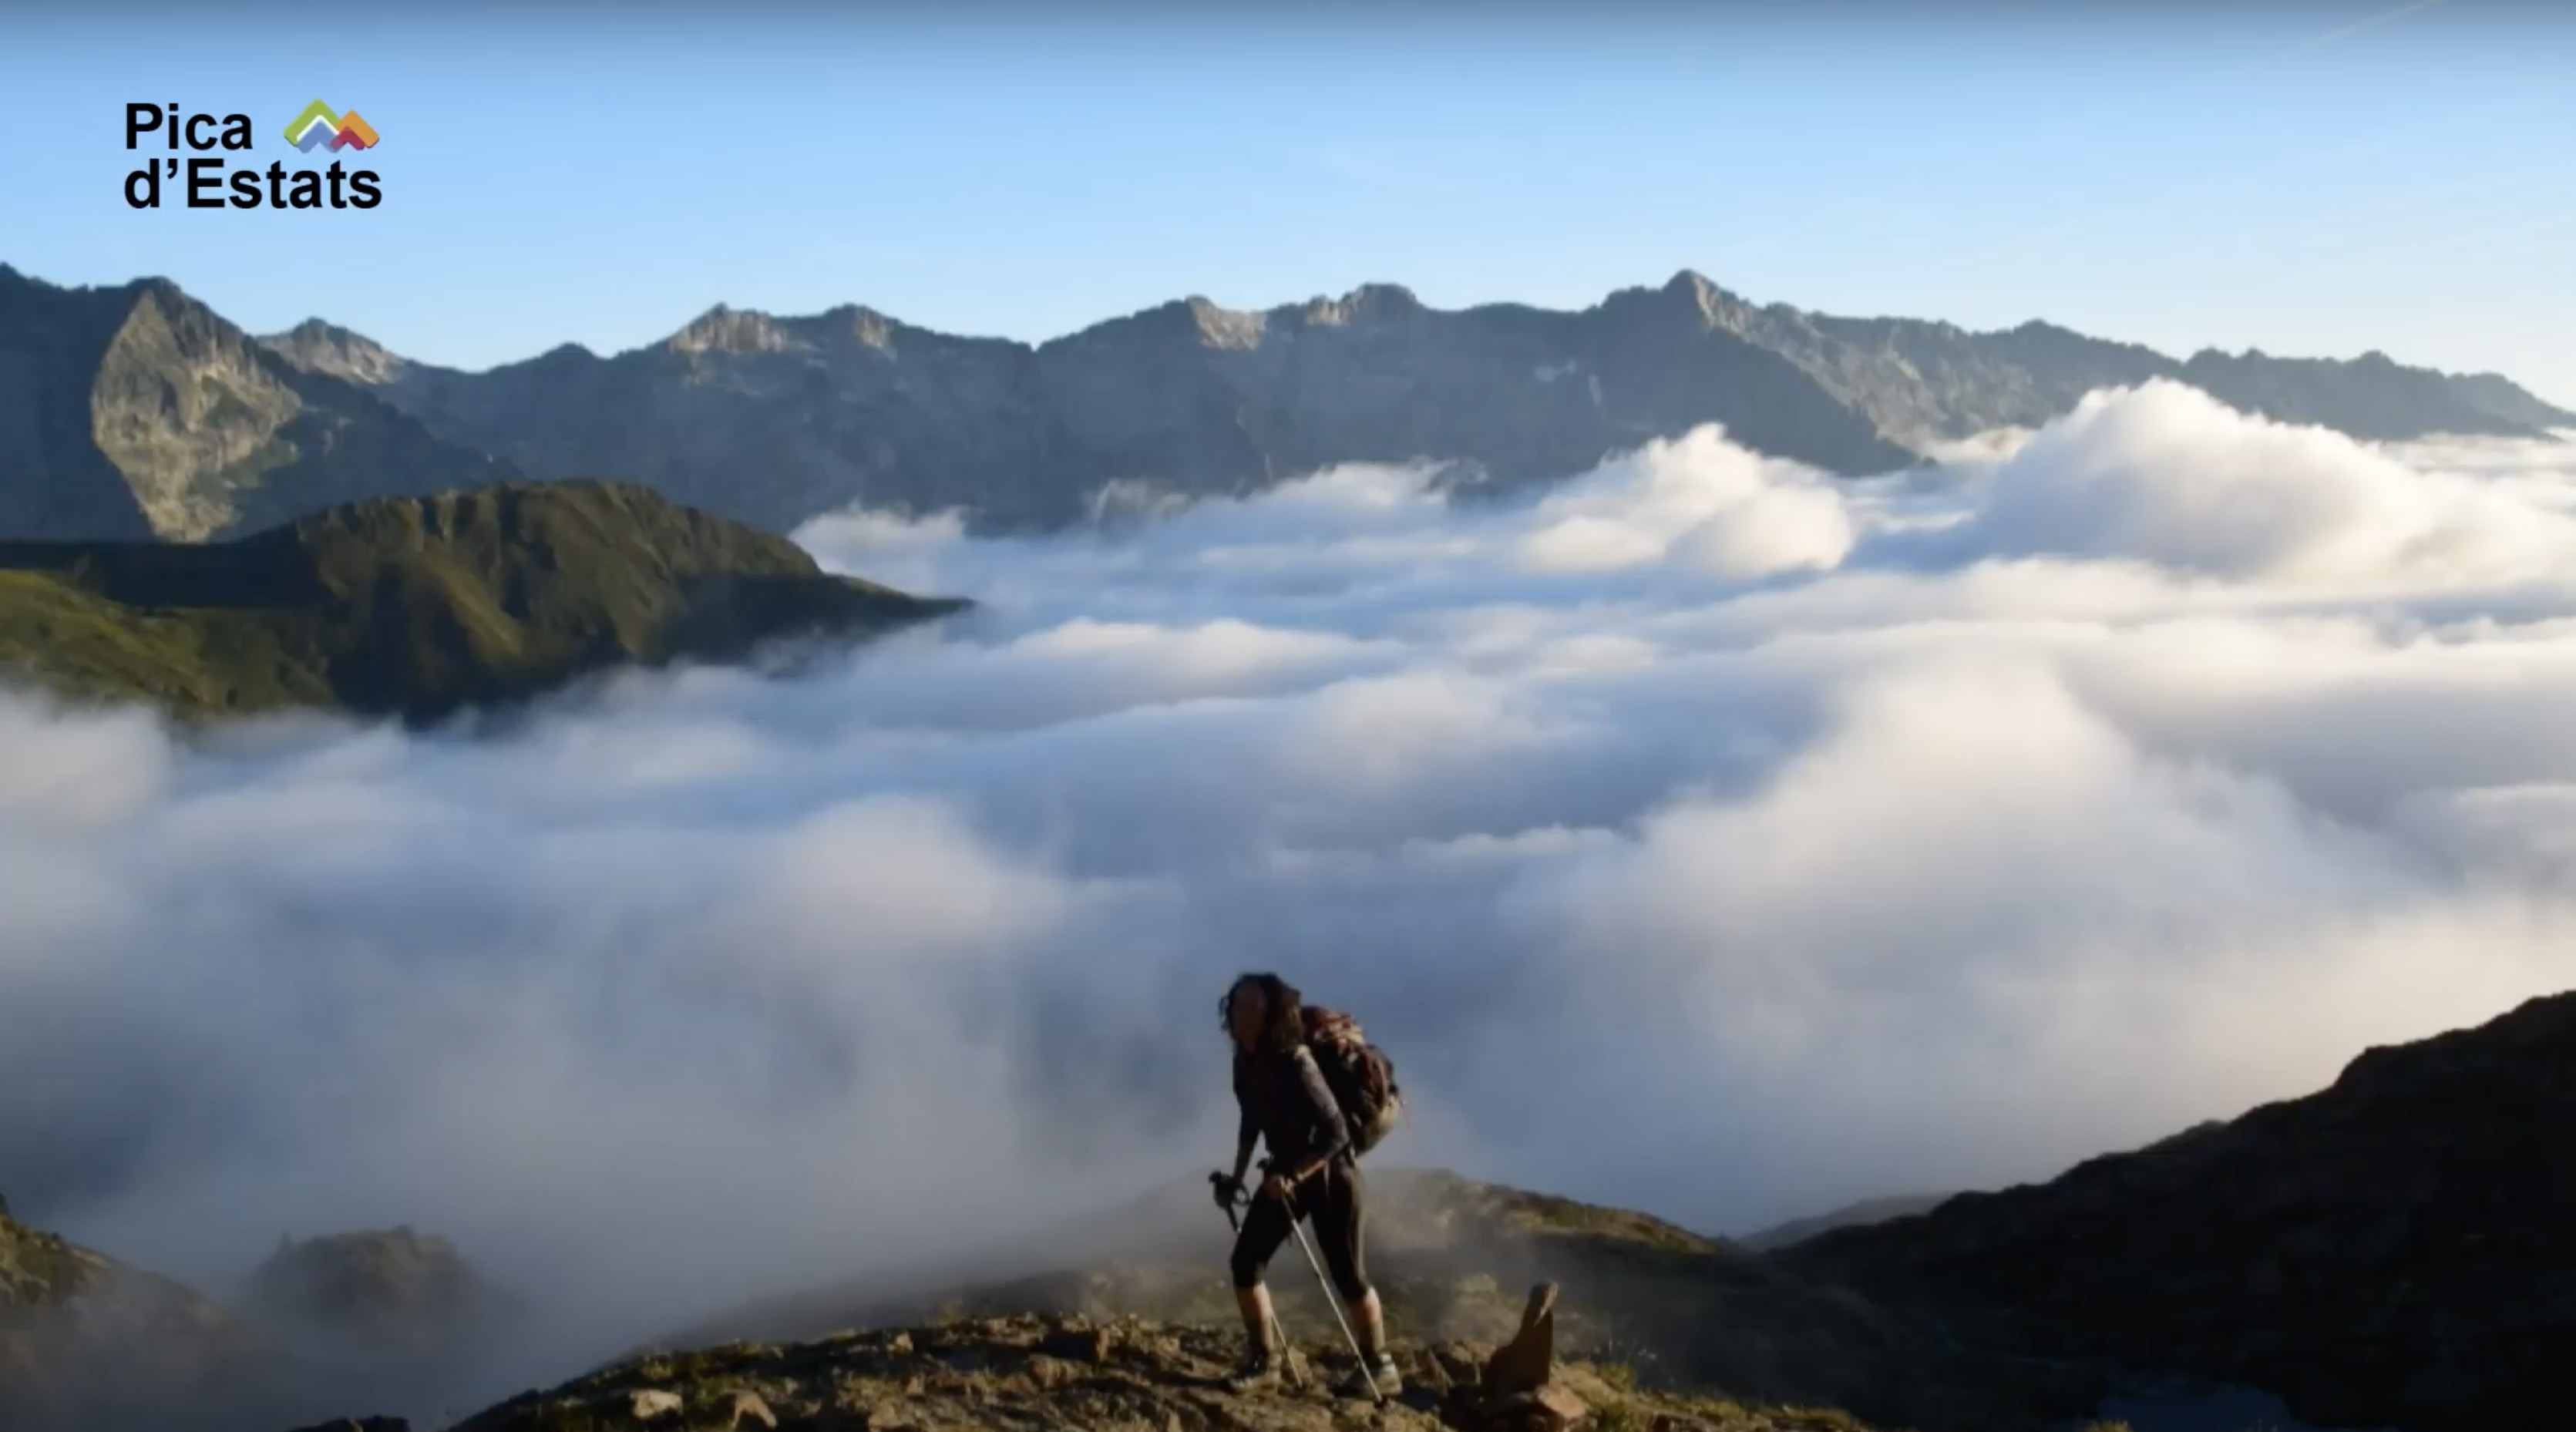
(1284, 1099)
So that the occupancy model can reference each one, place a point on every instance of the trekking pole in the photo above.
(1333, 1300)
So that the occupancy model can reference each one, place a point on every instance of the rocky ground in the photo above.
(1452, 1258)
(1066, 1372)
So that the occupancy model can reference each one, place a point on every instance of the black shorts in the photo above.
(1333, 1201)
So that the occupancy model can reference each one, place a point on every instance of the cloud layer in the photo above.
(1700, 834)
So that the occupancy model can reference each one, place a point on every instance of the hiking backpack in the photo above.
(1361, 1077)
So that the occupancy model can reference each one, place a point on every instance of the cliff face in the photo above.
(136, 411)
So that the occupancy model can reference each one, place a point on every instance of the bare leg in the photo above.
(1264, 1359)
(1255, 1305)
(1368, 1323)
(1368, 1328)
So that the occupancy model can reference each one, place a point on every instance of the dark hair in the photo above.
(1283, 1024)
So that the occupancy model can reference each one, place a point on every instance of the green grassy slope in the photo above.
(418, 606)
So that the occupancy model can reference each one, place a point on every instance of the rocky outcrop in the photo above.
(136, 411)
(403, 1292)
(86, 1342)
(1514, 1390)
(2394, 1250)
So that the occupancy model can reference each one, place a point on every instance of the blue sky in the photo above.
(2320, 177)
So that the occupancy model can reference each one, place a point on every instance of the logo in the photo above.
(318, 126)
(211, 180)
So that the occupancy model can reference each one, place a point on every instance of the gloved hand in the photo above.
(1229, 1190)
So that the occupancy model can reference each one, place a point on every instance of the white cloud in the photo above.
(2168, 475)
(1712, 506)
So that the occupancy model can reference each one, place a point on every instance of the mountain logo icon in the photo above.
(317, 126)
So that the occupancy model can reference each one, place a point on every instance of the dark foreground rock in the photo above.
(2399, 1249)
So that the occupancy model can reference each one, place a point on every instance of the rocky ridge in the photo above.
(2393, 1250)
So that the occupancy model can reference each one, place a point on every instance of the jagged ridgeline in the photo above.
(134, 410)
(773, 419)
(420, 606)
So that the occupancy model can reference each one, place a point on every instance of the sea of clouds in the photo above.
(1700, 834)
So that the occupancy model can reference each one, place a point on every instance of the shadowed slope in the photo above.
(2396, 1249)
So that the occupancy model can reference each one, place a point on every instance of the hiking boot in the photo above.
(1260, 1369)
(1382, 1371)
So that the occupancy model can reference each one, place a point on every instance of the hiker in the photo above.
(1313, 1172)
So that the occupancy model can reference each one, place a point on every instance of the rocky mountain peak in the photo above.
(858, 323)
(317, 346)
(1222, 327)
(725, 329)
(1693, 289)
(1369, 303)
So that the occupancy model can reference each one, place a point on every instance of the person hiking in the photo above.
(1312, 1173)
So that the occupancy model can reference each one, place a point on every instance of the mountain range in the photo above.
(136, 411)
